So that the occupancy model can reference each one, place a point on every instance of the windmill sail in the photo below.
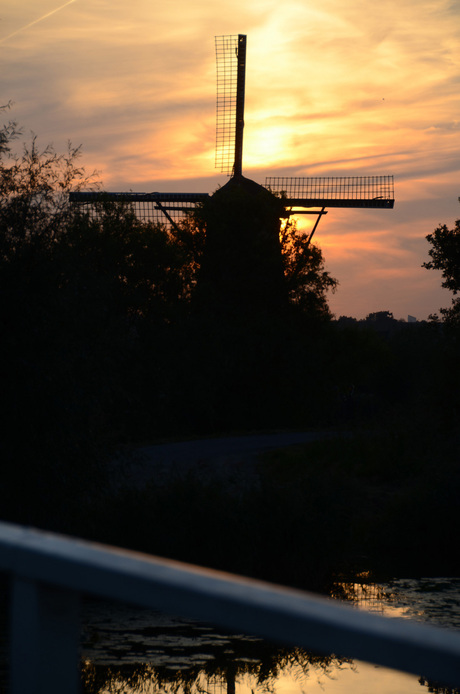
(334, 191)
(231, 75)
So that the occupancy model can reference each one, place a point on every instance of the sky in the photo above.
(333, 88)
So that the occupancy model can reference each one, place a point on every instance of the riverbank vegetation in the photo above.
(109, 340)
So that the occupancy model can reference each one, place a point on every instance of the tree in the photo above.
(380, 317)
(34, 190)
(241, 249)
(259, 288)
(445, 256)
(145, 271)
(80, 293)
(9, 131)
(307, 280)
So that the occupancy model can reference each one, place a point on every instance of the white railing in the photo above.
(49, 572)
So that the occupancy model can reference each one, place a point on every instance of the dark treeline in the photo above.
(113, 333)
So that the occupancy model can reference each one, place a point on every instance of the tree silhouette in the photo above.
(307, 281)
(78, 295)
(257, 289)
(445, 256)
(248, 262)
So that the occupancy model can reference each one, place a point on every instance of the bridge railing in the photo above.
(49, 573)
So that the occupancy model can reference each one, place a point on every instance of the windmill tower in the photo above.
(301, 195)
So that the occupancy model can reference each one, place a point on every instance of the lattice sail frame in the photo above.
(230, 66)
(158, 208)
(334, 191)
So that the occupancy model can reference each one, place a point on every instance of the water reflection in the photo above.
(126, 650)
(432, 600)
(135, 650)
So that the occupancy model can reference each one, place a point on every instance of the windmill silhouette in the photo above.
(301, 195)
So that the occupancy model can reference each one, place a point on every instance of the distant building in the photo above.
(411, 319)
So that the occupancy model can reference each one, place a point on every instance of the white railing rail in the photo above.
(49, 572)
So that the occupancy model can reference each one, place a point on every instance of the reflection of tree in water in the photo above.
(363, 593)
(257, 661)
(146, 654)
(432, 600)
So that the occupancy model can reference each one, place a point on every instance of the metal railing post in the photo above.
(44, 639)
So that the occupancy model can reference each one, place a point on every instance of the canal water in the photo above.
(130, 651)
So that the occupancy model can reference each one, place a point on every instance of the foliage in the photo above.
(380, 317)
(78, 293)
(34, 191)
(306, 278)
(445, 256)
(9, 131)
(144, 271)
(246, 336)
(227, 243)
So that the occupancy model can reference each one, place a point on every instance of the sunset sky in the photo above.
(333, 87)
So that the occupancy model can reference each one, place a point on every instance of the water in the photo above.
(136, 650)
(431, 600)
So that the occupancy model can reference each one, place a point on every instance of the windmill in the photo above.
(301, 195)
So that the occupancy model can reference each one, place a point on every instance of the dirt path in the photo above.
(225, 458)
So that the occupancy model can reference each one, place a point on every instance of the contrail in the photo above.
(36, 21)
